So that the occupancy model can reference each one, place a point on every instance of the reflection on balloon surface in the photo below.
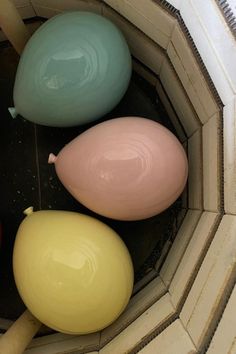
(75, 68)
(73, 272)
(126, 168)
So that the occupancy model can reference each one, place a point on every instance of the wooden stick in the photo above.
(13, 26)
(20, 334)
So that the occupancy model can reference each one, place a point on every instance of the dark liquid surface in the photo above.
(26, 180)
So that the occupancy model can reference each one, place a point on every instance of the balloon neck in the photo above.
(29, 211)
(13, 112)
(52, 158)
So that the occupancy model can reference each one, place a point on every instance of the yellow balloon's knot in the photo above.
(29, 211)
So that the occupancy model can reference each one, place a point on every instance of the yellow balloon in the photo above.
(73, 272)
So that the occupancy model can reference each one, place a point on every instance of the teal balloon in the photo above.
(74, 69)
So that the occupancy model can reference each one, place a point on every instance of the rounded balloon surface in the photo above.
(126, 168)
(73, 272)
(75, 68)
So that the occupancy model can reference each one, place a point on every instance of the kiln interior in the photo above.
(184, 303)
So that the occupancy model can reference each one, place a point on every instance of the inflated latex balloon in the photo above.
(126, 168)
(73, 272)
(75, 68)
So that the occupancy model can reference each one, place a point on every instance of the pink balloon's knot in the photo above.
(52, 158)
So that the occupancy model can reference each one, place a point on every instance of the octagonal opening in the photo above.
(172, 299)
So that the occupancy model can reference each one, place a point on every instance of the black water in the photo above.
(26, 179)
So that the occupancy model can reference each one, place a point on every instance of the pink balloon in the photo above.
(127, 168)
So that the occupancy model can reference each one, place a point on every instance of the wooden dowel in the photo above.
(20, 334)
(12, 25)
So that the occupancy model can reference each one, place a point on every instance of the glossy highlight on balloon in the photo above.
(128, 168)
(73, 272)
(75, 68)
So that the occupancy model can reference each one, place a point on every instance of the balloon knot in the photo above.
(52, 158)
(29, 211)
(13, 112)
